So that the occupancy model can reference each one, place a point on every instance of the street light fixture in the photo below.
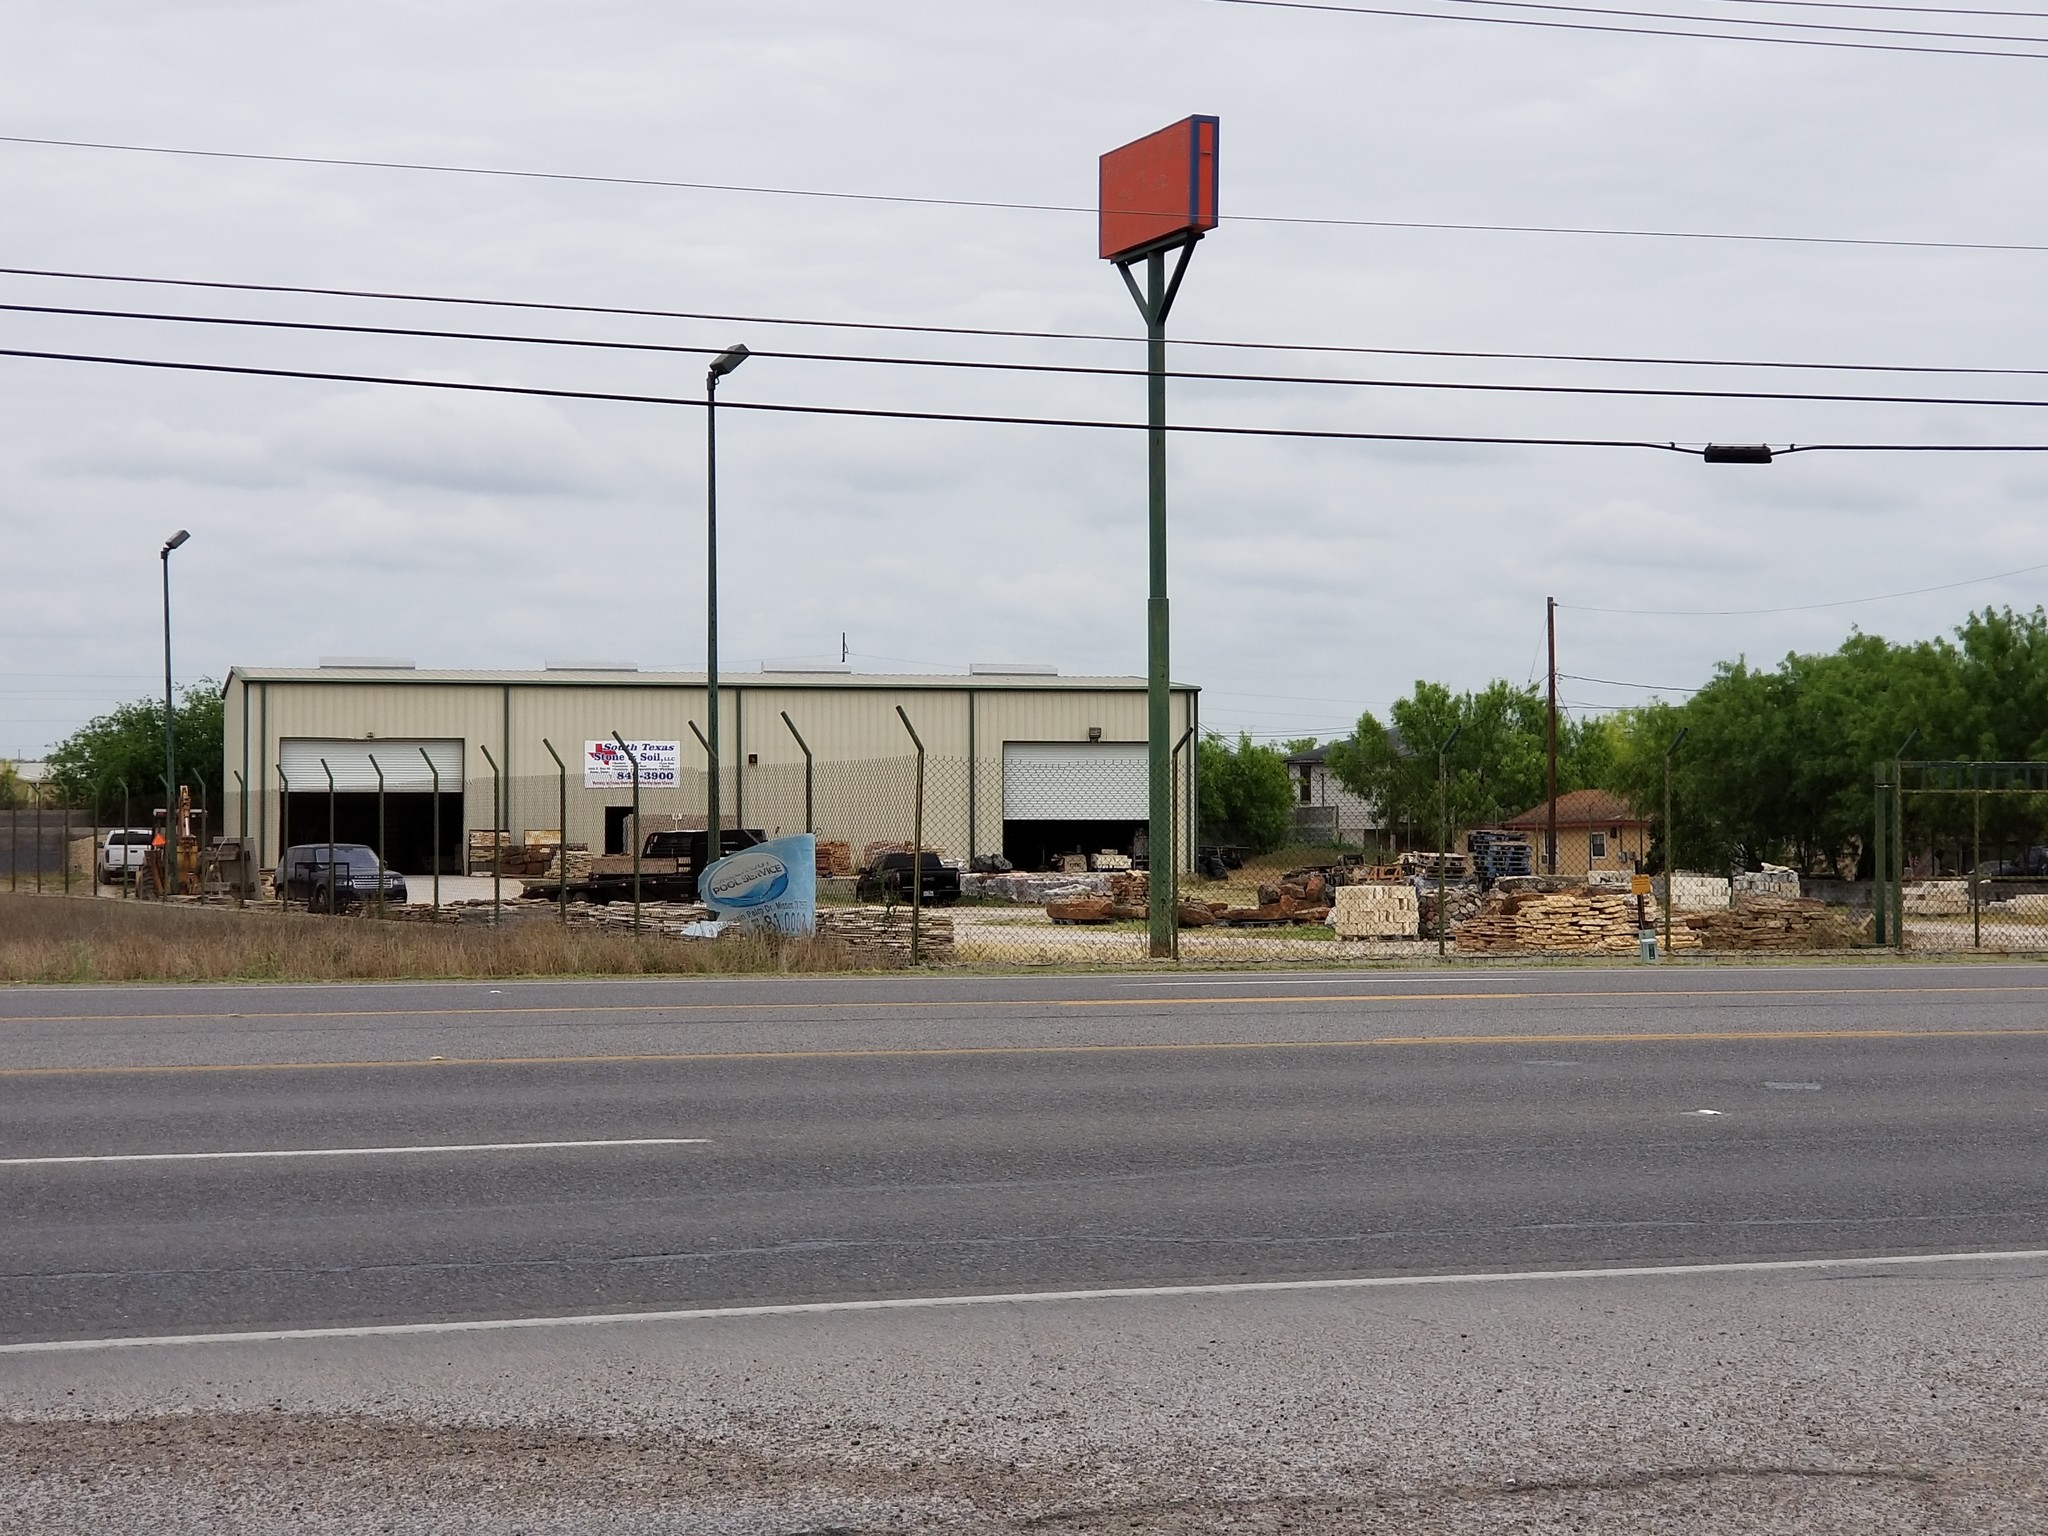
(721, 365)
(175, 541)
(1737, 453)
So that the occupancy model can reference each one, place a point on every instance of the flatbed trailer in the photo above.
(669, 863)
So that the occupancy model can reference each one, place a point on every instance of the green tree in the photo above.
(1247, 794)
(1495, 768)
(128, 743)
(13, 790)
(1777, 764)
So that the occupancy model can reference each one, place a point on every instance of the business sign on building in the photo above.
(605, 766)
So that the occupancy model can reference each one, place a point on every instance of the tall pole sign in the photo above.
(1158, 197)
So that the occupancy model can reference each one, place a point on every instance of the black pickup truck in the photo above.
(888, 880)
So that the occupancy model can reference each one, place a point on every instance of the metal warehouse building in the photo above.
(1019, 760)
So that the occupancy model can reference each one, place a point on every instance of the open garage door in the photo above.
(408, 796)
(1062, 797)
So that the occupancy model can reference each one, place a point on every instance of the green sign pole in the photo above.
(1155, 303)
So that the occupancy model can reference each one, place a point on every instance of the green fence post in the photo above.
(810, 820)
(283, 888)
(917, 846)
(716, 842)
(1443, 797)
(377, 769)
(1899, 840)
(497, 831)
(242, 863)
(435, 773)
(333, 896)
(1976, 858)
(562, 833)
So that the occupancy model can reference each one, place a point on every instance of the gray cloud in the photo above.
(1302, 572)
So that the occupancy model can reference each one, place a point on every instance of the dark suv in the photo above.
(303, 874)
(888, 880)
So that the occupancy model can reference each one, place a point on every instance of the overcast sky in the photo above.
(1310, 580)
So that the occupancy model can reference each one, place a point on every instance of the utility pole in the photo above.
(1550, 811)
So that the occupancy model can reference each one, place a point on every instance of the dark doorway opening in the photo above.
(408, 826)
(1039, 844)
(615, 819)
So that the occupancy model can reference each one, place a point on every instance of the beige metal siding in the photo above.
(864, 755)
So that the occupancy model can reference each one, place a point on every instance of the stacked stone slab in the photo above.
(1775, 922)
(1033, 889)
(1937, 898)
(1573, 920)
(872, 936)
(881, 935)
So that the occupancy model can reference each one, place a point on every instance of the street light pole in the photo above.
(170, 737)
(721, 365)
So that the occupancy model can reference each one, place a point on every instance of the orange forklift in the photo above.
(183, 860)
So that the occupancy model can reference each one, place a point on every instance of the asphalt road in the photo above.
(1771, 1330)
(755, 1142)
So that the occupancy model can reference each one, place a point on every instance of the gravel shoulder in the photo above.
(1902, 1401)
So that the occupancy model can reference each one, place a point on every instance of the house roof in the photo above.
(1580, 808)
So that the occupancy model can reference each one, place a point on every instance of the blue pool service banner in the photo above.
(772, 884)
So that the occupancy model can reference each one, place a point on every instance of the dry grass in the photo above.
(50, 939)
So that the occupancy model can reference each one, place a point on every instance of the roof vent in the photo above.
(1012, 669)
(378, 663)
(591, 664)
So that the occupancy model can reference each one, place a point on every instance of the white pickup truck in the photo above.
(122, 853)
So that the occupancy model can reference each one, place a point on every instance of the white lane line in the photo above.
(473, 1146)
(1012, 1298)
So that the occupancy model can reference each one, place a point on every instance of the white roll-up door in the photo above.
(405, 771)
(1075, 781)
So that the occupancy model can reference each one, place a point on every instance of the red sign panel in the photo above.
(1160, 190)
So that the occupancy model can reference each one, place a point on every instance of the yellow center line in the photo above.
(1377, 1042)
(846, 1004)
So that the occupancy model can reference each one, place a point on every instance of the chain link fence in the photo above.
(1963, 855)
(1046, 861)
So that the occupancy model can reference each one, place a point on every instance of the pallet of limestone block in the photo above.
(1376, 912)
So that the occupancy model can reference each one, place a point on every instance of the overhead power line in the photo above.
(985, 365)
(903, 328)
(877, 413)
(1753, 21)
(871, 412)
(1845, 602)
(514, 173)
(1917, 10)
(1587, 26)
(1615, 682)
